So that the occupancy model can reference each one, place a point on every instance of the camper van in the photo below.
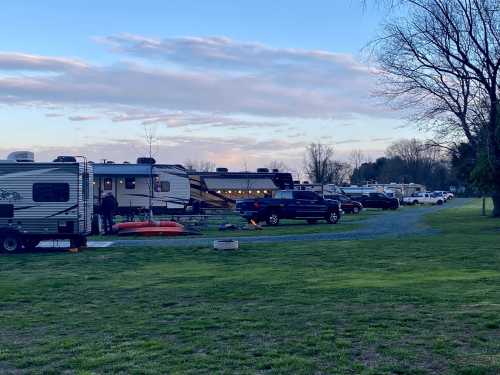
(137, 186)
(42, 201)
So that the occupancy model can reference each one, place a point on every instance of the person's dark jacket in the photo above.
(108, 205)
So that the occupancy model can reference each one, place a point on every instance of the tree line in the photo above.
(405, 161)
(441, 63)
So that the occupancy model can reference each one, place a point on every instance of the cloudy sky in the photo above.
(238, 83)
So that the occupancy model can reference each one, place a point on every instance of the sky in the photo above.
(238, 83)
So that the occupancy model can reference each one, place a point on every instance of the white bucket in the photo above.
(226, 245)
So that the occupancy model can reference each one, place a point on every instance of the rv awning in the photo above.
(240, 184)
(103, 170)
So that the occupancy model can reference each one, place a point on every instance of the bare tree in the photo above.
(150, 138)
(321, 167)
(356, 158)
(441, 62)
(317, 162)
(200, 165)
(340, 172)
(279, 165)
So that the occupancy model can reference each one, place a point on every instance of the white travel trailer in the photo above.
(41, 201)
(135, 186)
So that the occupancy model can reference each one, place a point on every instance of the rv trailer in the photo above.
(136, 186)
(44, 201)
(221, 189)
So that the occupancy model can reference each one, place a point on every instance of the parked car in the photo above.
(445, 194)
(290, 204)
(424, 198)
(377, 200)
(346, 204)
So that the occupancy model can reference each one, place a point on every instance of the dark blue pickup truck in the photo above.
(290, 204)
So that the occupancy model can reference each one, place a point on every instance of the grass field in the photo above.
(427, 305)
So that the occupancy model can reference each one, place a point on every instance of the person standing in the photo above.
(108, 207)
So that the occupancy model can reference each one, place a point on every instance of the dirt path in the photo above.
(389, 224)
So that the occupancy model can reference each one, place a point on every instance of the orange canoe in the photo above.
(152, 231)
(145, 224)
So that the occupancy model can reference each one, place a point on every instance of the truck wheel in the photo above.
(312, 221)
(439, 202)
(415, 202)
(332, 217)
(273, 219)
(355, 210)
(10, 244)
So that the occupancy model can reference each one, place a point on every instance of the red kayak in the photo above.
(145, 224)
(152, 231)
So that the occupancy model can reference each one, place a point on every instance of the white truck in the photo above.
(423, 198)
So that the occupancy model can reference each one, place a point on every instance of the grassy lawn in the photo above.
(347, 223)
(426, 305)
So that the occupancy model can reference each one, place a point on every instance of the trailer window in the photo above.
(283, 194)
(50, 192)
(130, 183)
(6, 210)
(164, 186)
(108, 183)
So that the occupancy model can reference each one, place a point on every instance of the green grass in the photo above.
(427, 305)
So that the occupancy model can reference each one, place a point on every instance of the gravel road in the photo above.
(390, 224)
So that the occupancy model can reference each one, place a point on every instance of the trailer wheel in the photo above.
(78, 242)
(10, 244)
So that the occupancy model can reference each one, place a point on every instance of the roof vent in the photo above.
(65, 159)
(22, 156)
(262, 170)
(222, 170)
(144, 160)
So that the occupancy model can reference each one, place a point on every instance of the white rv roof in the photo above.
(240, 183)
(123, 170)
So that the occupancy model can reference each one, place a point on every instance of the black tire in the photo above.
(355, 210)
(312, 221)
(273, 219)
(415, 202)
(10, 244)
(78, 242)
(439, 202)
(332, 217)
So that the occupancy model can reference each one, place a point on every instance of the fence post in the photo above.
(483, 211)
